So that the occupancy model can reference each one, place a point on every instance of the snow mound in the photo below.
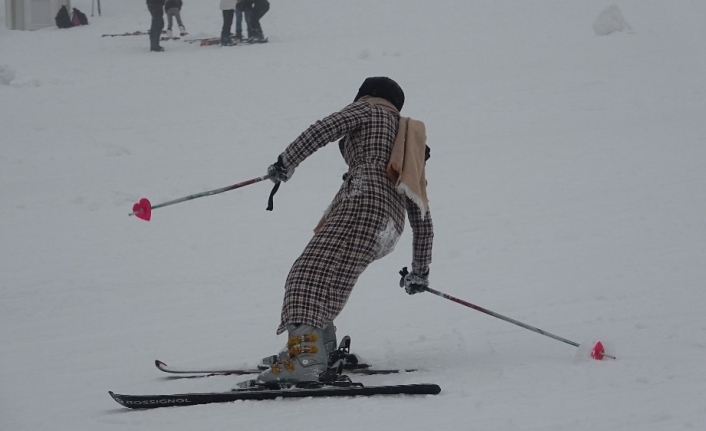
(610, 20)
(7, 74)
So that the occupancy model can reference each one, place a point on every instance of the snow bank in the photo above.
(610, 20)
(7, 74)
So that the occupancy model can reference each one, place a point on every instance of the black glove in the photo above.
(413, 283)
(279, 173)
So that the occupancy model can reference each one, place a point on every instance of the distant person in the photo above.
(173, 10)
(243, 8)
(156, 8)
(259, 9)
(228, 9)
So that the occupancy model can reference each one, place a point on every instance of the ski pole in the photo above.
(143, 208)
(598, 352)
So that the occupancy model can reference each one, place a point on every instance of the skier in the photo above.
(385, 154)
(173, 10)
(259, 9)
(156, 8)
(243, 8)
(227, 9)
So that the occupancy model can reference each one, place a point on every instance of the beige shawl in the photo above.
(406, 165)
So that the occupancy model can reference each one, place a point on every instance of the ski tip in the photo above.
(425, 389)
(159, 364)
(117, 398)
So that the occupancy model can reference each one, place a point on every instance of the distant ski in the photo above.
(265, 393)
(211, 41)
(134, 33)
(363, 369)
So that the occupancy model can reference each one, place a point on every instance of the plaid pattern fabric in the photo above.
(363, 221)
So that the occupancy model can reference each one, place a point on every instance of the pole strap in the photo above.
(270, 200)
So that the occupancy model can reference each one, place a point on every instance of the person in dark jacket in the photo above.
(259, 9)
(156, 8)
(385, 182)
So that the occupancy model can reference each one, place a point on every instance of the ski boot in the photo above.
(257, 39)
(182, 31)
(329, 337)
(168, 34)
(154, 42)
(305, 359)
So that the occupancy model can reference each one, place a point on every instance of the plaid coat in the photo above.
(364, 220)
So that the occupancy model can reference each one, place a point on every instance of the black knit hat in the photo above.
(384, 87)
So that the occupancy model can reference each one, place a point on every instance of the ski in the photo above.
(134, 33)
(211, 41)
(195, 40)
(261, 392)
(169, 38)
(361, 369)
(206, 41)
(208, 371)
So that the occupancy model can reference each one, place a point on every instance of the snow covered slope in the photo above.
(567, 185)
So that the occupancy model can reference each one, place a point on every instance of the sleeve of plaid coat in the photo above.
(423, 237)
(321, 133)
